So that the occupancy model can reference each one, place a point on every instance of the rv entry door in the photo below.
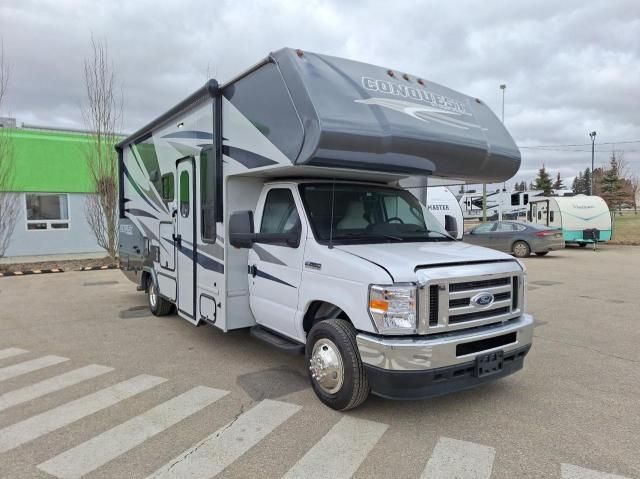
(184, 238)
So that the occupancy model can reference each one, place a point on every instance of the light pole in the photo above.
(592, 135)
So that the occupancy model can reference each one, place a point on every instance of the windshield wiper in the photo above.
(369, 235)
(425, 230)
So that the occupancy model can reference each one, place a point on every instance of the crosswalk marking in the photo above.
(36, 426)
(219, 450)
(10, 352)
(459, 459)
(50, 385)
(29, 366)
(569, 471)
(90, 455)
(340, 452)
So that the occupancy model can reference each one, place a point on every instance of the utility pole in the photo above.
(503, 87)
(592, 135)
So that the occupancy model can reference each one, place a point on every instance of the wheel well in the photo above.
(320, 310)
(144, 280)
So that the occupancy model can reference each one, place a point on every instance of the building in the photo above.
(52, 182)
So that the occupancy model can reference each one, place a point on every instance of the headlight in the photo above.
(393, 308)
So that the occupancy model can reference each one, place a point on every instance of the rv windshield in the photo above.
(368, 214)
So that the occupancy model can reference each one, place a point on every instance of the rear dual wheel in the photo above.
(336, 371)
(157, 304)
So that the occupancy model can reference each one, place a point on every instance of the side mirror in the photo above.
(241, 233)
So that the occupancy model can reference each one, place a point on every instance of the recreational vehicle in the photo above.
(271, 202)
(583, 219)
(440, 201)
(511, 205)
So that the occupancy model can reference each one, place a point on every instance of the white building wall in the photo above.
(77, 239)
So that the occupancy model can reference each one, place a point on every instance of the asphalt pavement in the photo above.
(92, 385)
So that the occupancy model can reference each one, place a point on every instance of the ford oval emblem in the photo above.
(482, 300)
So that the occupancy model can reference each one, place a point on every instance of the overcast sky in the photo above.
(570, 66)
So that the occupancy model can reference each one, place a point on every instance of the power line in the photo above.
(582, 144)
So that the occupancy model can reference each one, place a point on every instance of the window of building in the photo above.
(184, 194)
(47, 211)
(280, 214)
(168, 188)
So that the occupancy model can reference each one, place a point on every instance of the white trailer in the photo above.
(272, 203)
(511, 205)
(583, 219)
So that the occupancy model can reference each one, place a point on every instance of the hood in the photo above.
(402, 259)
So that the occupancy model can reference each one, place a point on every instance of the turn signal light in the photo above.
(379, 305)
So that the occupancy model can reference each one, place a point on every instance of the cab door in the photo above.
(275, 270)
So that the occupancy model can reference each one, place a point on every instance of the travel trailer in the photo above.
(440, 201)
(511, 205)
(271, 202)
(583, 219)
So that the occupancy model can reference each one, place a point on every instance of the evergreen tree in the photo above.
(558, 185)
(543, 181)
(611, 184)
(577, 183)
(523, 185)
(586, 182)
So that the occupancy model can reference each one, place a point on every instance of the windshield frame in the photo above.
(439, 234)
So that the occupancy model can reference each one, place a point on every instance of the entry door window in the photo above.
(47, 211)
(280, 213)
(185, 199)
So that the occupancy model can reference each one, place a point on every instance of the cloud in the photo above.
(570, 67)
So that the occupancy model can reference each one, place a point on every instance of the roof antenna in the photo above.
(333, 196)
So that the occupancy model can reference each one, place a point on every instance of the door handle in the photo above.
(253, 270)
(177, 239)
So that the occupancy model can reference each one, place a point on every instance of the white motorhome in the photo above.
(512, 205)
(272, 203)
(583, 219)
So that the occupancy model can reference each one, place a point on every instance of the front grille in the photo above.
(433, 305)
(447, 303)
(461, 318)
(487, 283)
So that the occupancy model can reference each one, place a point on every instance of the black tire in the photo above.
(542, 253)
(355, 385)
(582, 245)
(162, 307)
(521, 249)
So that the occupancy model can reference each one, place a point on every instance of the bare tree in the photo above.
(102, 113)
(8, 198)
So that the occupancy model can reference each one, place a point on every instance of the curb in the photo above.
(95, 268)
(33, 271)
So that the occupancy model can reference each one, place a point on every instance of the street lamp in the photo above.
(592, 135)
(503, 87)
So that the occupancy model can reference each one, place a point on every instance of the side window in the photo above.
(184, 194)
(515, 199)
(551, 215)
(168, 188)
(483, 228)
(505, 227)
(280, 214)
(520, 227)
(526, 198)
(450, 224)
(539, 215)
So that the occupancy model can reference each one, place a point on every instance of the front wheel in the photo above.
(521, 249)
(336, 371)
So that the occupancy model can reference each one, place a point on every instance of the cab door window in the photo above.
(280, 214)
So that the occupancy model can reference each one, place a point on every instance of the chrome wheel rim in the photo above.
(326, 366)
(153, 297)
(520, 249)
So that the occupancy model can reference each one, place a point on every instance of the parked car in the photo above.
(519, 238)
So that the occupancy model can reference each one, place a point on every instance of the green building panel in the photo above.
(50, 161)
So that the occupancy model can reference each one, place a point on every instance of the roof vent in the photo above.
(300, 53)
(406, 77)
(420, 81)
(390, 73)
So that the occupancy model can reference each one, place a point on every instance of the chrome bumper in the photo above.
(438, 351)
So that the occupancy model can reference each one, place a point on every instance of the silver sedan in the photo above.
(516, 237)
